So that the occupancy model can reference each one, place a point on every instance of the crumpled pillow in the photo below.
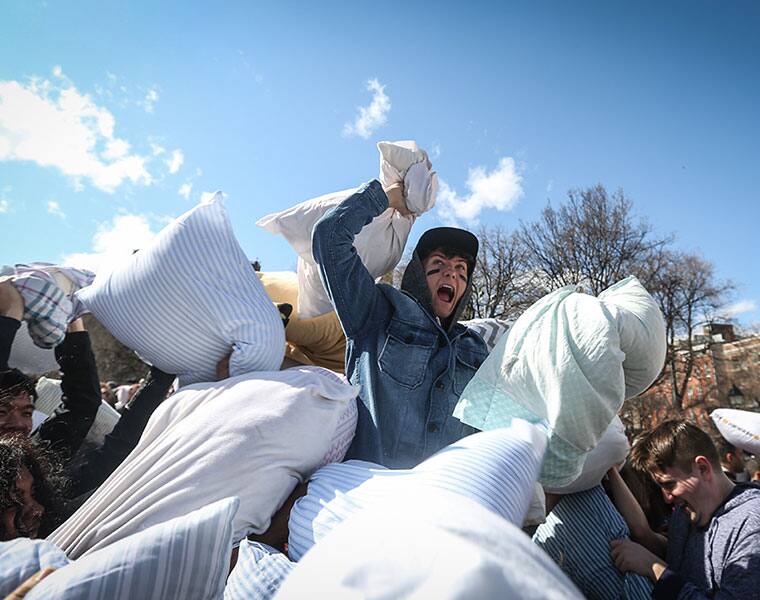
(612, 450)
(565, 360)
(491, 329)
(189, 298)
(396, 158)
(380, 244)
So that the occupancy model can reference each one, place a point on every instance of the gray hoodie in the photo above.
(721, 560)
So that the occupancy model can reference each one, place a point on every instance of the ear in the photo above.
(704, 467)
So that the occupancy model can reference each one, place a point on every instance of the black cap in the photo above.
(448, 237)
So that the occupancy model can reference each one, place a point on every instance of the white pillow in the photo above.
(50, 396)
(189, 298)
(380, 244)
(739, 427)
(28, 357)
(642, 333)
(435, 544)
(255, 436)
(612, 450)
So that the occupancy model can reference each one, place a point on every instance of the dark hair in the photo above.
(724, 448)
(673, 443)
(13, 382)
(17, 452)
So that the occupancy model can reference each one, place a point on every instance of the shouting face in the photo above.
(686, 490)
(446, 280)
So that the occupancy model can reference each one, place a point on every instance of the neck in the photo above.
(723, 488)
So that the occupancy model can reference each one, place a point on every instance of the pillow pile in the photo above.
(254, 436)
(189, 299)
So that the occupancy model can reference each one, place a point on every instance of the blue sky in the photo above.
(109, 110)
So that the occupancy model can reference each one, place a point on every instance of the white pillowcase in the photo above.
(28, 357)
(380, 244)
(184, 558)
(255, 436)
(739, 427)
(189, 298)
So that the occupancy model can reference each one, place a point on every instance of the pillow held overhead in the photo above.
(189, 298)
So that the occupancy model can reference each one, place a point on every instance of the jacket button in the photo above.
(408, 339)
(439, 385)
(432, 427)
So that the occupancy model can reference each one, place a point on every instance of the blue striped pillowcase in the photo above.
(189, 298)
(259, 572)
(496, 468)
(187, 557)
(577, 535)
(21, 558)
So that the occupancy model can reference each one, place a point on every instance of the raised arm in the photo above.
(68, 426)
(349, 285)
(631, 511)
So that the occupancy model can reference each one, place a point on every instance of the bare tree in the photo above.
(689, 295)
(502, 286)
(592, 240)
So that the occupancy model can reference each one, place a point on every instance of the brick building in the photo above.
(725, 374)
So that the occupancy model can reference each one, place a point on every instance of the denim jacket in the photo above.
(410, 369)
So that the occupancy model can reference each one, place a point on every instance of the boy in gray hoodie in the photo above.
(713, 544)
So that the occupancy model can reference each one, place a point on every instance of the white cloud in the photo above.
(435, 151)
(185, 189)
(149, 102)
(4, 205)
(57, 126)
(55, 209)
(370, 117)
(738, 308)
(500, 189)
(174, 162)
(114, 242)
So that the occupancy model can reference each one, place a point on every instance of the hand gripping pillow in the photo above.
(612, 450)
(189, 298)
(739, 427)
(255, 436)
(565, 360)
(380, 244)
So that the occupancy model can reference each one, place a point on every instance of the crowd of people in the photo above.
(404, 496)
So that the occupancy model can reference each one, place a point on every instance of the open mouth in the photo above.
(445, 293)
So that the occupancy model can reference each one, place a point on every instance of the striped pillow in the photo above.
(187, 557)
(490, 330)
(577, 535)
(497, 469)
(21, 558)
(189, 298)
(259, 572)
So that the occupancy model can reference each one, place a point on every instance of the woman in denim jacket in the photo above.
(404, 347)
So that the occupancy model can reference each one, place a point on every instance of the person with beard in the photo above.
(405, 348)
(713, 545)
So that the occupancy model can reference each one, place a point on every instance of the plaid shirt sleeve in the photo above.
(46, 308)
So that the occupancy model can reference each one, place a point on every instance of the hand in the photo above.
(630, 556)
(26, 587)
(76, 325)
(11, 302)
(396, 200)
